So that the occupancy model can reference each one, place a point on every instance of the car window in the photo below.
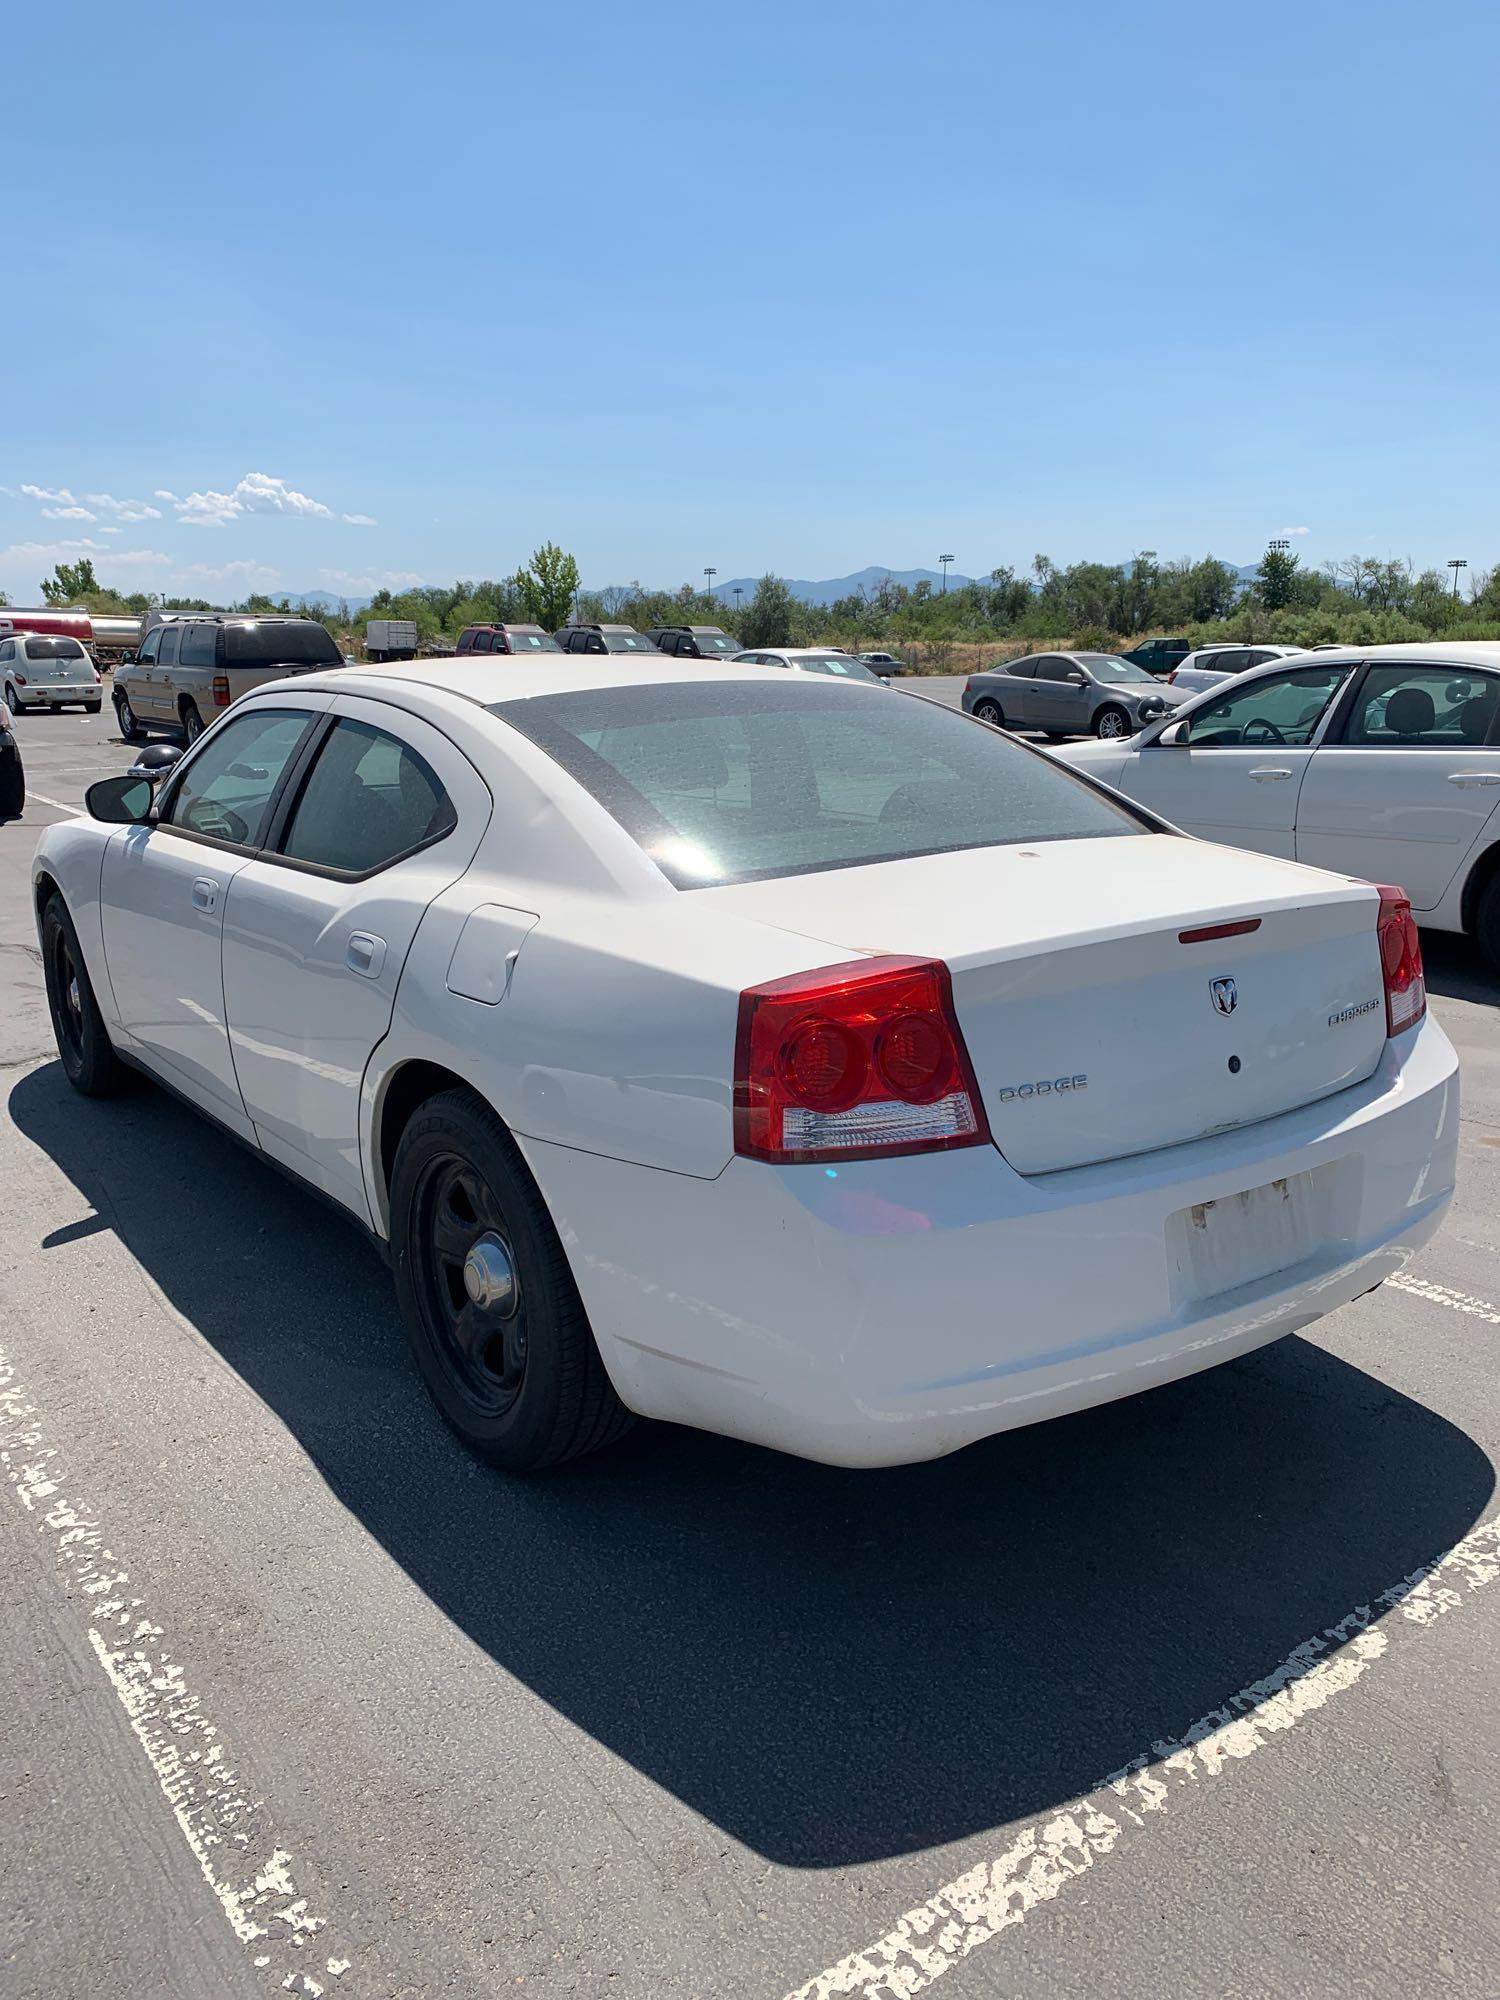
(149, 644)
(482, 642)
(225, 789)
(752, 779)
(1052, 667)
(7, 649)
(1278, 708)
(368, 800)
(196, 646)
(42, 648)
(1431, 707)
(167, 652)
(280, 642)
(1022, 669)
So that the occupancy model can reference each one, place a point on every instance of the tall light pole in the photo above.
(739, 591)
(1456, 563)
(945, 560)
(1281, 546)
(710, 572)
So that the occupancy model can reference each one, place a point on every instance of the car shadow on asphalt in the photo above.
(1455, 969)
(830, 1666)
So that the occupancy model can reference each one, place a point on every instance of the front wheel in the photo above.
(989, 711)
(88, 1055)
(494, 1318)
(1111, 723)
(125, 715)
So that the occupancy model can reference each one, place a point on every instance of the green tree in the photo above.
(69, 580)
(1277, 578)
(768, 622)
(547, 586)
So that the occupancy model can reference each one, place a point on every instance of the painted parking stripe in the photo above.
(1445, 1295)
(42, 799)
(253, 1878)
(1042, 1859)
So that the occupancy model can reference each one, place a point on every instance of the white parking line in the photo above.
(43, 800)
(225, 1825)
(1044, 1857)
(1444, 1295)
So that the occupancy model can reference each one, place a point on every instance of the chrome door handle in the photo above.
(205, 894)
(1474, 777)
(1266, 773)
(365, 954)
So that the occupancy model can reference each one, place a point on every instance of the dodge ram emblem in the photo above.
(1226, 996)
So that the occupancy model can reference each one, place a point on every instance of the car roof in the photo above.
(1455, 652)
(526, 674)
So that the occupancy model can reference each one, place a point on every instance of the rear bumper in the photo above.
(45, 697)
(889, 1311)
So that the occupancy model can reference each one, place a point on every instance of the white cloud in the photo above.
(1299, 531)
(390, 579)
(248, 573)
(256, 493)
(48, 553)
(68, 514)
(123, 510)
(361, 520)
(60, 493)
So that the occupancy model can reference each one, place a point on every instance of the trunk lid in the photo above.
(1095, 1032)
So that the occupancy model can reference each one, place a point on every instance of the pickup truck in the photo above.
(193, 665)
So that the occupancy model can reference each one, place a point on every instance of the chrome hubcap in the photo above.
(490, 1278)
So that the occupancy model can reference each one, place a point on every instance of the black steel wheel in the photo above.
(487, 1295)
(88, 1056)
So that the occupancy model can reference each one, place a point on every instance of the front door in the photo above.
(163, 891)
(318, 927)
(1237, 775)
(1412, 781)
(1058, 704)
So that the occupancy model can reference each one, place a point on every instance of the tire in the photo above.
(88, 1055)
(1111, 722)
(93, 707)
(10, 700)
(1487, 922)
(524, 1389)
(13, 791)
(192, 721)
(988, 710)
(130, 729)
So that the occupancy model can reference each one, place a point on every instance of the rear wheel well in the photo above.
(1484, 871)
(45, 890)
(404, 1095)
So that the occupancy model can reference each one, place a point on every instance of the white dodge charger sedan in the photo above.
(755, 1051)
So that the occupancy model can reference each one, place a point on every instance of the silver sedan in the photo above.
(1070, 694)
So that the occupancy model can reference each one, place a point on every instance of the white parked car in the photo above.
(755, 1052)
(830, 660)
(1382, 762)
(1210, 665)
(45, 670)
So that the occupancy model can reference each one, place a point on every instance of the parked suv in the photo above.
(694, 642)
(604, 639)
(194, 665)
(506, 639)
(42, 670)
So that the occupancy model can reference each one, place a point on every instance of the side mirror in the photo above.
(1077, 676)
(155, 761)
(122, 801)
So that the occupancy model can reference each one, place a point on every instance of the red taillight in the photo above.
(854, 1062)
(1400, 961)
(1172, 678)
(969, 686)
(221, 691)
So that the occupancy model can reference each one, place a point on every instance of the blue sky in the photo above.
(802, 288)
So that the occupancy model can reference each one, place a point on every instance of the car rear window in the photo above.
(54, 649)
(756, 779)
(273, 643)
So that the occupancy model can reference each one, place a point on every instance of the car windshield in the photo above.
(1109, 667)
(53, 649)
(280, 642)
(627, 642)
(837, 663)
(755, 779)
(716, 642)
(533, 642)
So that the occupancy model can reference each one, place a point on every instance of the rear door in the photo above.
(1408, 780)
(385, 815)
(1236, 776)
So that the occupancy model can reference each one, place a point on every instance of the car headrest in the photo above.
(1410, 712)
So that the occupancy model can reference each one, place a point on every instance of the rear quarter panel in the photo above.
(72, 856)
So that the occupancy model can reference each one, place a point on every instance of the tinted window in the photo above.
(149, 645)
(367, 800)
(225, 789)
(482, 642)
(1022, 669)
(1233, 660)
(1278, 708)
(167, 653)
(1052, 667)
(1435, 707)
(53, 649)
(779, 777)
(196, 647)
(280, 642)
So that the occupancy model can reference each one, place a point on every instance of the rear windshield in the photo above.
(53, 649)
(272, 644)
(741, 782)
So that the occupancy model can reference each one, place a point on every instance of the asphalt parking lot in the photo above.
(1193, 1693)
